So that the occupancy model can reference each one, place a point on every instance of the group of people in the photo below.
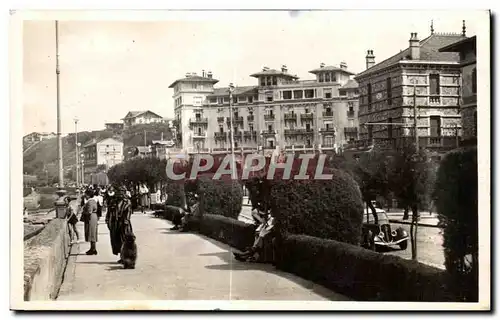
(118, 211)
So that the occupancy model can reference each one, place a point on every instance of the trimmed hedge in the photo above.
(359, 273)
(235, 233)
(223, 197)
(175, 194)
(456, 200)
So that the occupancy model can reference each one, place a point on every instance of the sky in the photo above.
(111, 67)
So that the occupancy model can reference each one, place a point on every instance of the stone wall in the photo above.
(45, 258)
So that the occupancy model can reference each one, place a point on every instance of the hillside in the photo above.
(41, 158)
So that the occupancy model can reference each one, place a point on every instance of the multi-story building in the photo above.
(106, 152)
(420, 75)
(468, 102)
(279, 113)
(141, 117)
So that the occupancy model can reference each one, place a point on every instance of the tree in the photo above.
(410, 183)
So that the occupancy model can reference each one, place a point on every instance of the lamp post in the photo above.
(77, 145)
(231, 90)
(59, 138)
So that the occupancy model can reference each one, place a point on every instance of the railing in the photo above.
(220, 119)
(330, 129)
(250, 118)
(290, 116)
(235, 119)
(269, 117)
(197, 135)
(350, 114)
(198, 121)
(249, 134)
(306, 116)
(298, 131)
(351, 130)
(268, 132)
(327, 114)
(220, 135)
(434, 100)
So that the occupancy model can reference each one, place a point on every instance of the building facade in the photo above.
(419, 75)
(141, 117)
(468, 102)
(106, 152)
(279, 113)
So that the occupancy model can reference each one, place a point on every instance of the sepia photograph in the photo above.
(250, 160)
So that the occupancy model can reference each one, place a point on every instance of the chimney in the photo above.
(203, 73)
(414, 47)
(343, 65)
(370, 59)
(284, 69)
(188, 74)
(209, 74)
(321, 65)
(265, 68)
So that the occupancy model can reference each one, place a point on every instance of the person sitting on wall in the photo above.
(264, 232)
(193, 212)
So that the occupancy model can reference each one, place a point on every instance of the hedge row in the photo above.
(359, 273)
(235, 233)
(222, 197)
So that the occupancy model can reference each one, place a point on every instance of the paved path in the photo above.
(178, 266)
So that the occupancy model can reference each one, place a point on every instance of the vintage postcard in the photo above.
(250, 160)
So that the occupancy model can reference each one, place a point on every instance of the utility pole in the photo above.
(415, 214)
(83, 171)
(59, 138)
(231, 89)
(77, 171)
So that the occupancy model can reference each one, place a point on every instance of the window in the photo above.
(270, 143)
(236, 114)
(226, 99)
(270, 128)
(199, 131)
(434, 84)
(369, 96)
(242, 99)
(370, 132)
(250, 99)
(389, 91)
(334, 77)
(474, 81)
(221, 129)
(275, 81)
(309, 93)
(327, 126)
(221, 100)
(198, 116)
(236, 144)
(350, 105)
(297, 94)
(287, 95)
(328, 93)
(269, 98)
(389, 128)
(320, 77)
(213, 100)
(194, 85)
(263, 81)
(308, 127)
(435, 122)
(251, 127)
(268, 81)
(235, 99)
(271, 112)
(327, 77)
(306, 110)
(342, 92)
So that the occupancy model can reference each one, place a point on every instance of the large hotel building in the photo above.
(279, 113)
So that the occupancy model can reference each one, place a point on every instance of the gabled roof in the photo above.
(351, 84)
(460, 45)
(429, 51)
(237, 91)
(135, 114)
(330, 68)
(273, 72)
(194, 79)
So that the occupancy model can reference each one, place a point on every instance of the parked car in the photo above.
(382, 234)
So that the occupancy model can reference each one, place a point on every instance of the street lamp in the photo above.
(231, 90)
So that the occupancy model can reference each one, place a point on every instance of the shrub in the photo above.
(359, 273)
(455, 198)
(235, 233)
(175, 194)
(331, 209)
(223, 197)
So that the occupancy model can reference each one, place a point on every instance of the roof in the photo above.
(143, 149)
(273, 72)
(330, 68)
(459, 45)
(429, 51)
(237, 91)
(351, 84)
(135, 114)
(95, 141)
(194, 79)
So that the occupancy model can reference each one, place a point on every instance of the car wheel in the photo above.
(403, 245)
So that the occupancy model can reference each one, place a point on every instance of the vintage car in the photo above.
(381, 234)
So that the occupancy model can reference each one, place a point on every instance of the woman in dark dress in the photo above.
(90, 219)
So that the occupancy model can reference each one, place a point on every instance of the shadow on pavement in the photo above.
(114, 268)
(96, 262)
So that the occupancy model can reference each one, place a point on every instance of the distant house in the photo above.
(38, 136)
(114, 126)
(141, 117)
(106, 152)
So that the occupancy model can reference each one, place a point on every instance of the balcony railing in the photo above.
(197, 135)
(235, 119)
(298, 131)
(268, 132)
(198, 121)
(327, 130)
(306, 116)
(290, 117)
(426, 142)
(327, 114)
(350, 114)
(350, 130)
(434, 100)
(250, 118)
(220, 135)
(269, 117)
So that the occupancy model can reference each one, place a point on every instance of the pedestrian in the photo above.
(143, 193)
(114, 196)
(90, 219)
(123, 227)
(100, 202)
(72, 221)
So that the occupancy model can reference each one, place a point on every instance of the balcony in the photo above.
(199, 135)
(250, 118)
(290, 117)
(350, 114)
(351, 130)
(296, 131)
(327, 130)
(268, 132)
(269, 117)
(220, 119)
(220, 135)
(249, 134)
(434, 100)
(327, 114)
(202, 121)
(235, 120)
(306, 116)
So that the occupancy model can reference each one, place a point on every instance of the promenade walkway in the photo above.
(177, 266)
